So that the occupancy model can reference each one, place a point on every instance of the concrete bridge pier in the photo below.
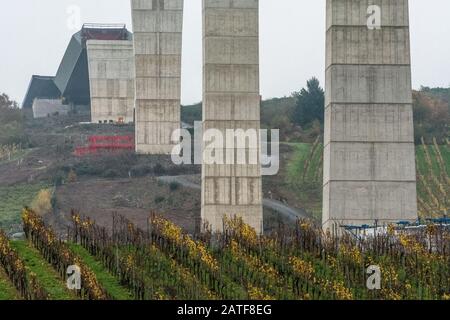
(231, 100)
(369, 160)
(157, 27)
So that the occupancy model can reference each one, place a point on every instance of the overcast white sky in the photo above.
(34, 36)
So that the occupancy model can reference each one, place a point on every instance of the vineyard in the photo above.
(10, 152)
(304, 172)
(433, 169)
(164, 263)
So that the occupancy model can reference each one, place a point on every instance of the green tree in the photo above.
(9, 111)
(11, 122)
(310, 104)
(6, 102)
(431, 116)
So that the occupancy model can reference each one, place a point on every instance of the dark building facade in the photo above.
(71, 82)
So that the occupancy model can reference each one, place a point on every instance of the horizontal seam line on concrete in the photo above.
(229, 8)
(155, 32)
(157, 10)
(158, 77)
(231, 36)
(157, 55)
(231, 64)
(381, 181)
(230, 120)
(369, 64)
(235, 120)
(228, 36)
(370, 103)
(231, 92)
(364, 26)
(366, 103)
(234, 92)
(367, 219)
(124, 59)
(369, 142)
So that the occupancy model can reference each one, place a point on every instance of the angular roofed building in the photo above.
(41, 87)
(71, 84)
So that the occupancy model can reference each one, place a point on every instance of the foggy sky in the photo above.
(34, 36)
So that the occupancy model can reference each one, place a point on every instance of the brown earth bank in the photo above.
(123, 183)
(135, 199)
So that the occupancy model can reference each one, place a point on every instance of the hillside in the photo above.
(131, 185)
(101, 184)
(300, 180)
(93, 211)
(109, 182)
(431, 107)
(164, 263)
(304, 177)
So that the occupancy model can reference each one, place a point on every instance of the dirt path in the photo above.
(288, 212)
(181, 180)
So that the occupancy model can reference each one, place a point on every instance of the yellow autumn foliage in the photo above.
(42, 203)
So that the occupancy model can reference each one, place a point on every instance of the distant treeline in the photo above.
(432, 114)
(300, 117)
(11, 122)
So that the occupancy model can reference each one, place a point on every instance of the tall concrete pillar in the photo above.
(369, 171)
(111, 80)
(231, 100)
(157, 27)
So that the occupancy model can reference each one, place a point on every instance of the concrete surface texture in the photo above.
(43, 108)
(231, 101)
(157, 27)
(111, 79)
(369, 172)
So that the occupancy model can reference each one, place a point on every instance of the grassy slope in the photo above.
(301, 153)
(422, 164)
(105, 278)
(434, 181)
(45, 274)
(7, 290)
(13, 199)
(309, 190)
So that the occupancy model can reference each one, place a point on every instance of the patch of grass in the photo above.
(302, 153)
(422, 163)
(13, 199)
(307, 185)
(105, 278)
(309, 189)
(45, 274)
(7, 290)
(432, 186)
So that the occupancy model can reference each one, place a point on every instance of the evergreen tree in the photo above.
(310, 104)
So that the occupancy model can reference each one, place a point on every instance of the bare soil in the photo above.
(134, 199)
(123, 184)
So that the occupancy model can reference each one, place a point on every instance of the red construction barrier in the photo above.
(105, 143)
